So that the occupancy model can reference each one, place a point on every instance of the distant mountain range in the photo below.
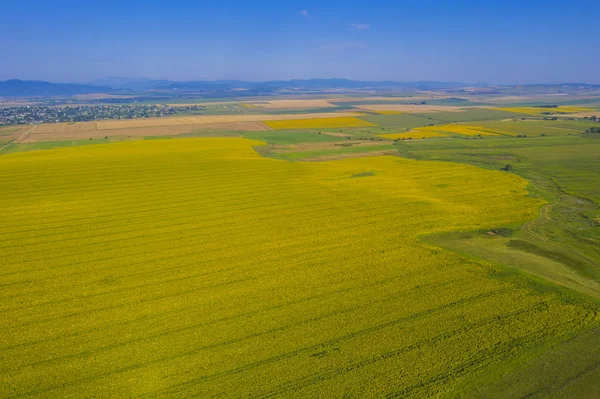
(336, 83)
(29, 88)
(21, 88)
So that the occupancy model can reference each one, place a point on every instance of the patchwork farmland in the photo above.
(353, 249)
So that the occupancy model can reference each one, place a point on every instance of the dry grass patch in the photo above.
(59, 133)
(66, 127)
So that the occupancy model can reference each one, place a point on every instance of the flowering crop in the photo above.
(195, 267)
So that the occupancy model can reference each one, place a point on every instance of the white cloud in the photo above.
(305, 13)
(360, 26)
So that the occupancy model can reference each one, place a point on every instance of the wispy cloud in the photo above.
(360, 26)
(305, 14)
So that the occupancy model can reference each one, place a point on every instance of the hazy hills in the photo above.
(31, 88)
(26, 88)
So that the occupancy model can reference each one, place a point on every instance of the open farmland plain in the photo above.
(203, 256)
(198, 268)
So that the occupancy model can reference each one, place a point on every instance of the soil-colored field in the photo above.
(174, 126)
(12, 135)
(55, 132)
(66, 127)
(204, 119)
(180, 268)
(8, 130)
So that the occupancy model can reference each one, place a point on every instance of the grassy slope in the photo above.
(196, 267)
(563, 171)
(561, 246)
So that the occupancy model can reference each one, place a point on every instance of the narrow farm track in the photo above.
(197, 268)
(19, 139)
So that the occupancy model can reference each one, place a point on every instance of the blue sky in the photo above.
(468, 41)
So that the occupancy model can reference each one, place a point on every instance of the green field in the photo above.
(472, 114)
(291, 136)
(561, 245)
(333, 152)
(536, 127)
